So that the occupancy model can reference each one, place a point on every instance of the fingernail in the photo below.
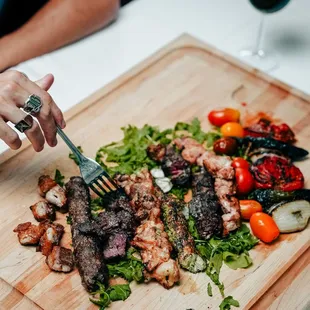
(54, 143)
(63, 124)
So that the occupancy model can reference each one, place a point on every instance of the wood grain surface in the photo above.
(185, 79)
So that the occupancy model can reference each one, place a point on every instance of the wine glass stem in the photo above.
(259, 36)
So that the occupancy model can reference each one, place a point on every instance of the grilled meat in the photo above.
(191, 149)
(29, 234)
(274, 172)
(204, 206)
(115, 245)
(179, 236)
(87, 252)
(42, 211)
(52, 192)
(50, 238)
(60, 259)
(172, 163)
(150, 236)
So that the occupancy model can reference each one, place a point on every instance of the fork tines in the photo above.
(103, 184)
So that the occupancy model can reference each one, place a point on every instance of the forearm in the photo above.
(58, 23)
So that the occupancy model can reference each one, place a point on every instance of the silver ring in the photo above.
(33, 104)
(24, 124)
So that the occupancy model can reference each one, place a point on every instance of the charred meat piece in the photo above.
(273, 172)
(179, 236)
(287, 150)
(50, 238)
(150, 236)
(204, 206)
(264, 128)
(60, 259)
(45, 184)
(42, 211)
(29, 234)
(115, 245)
(87, 252)
(172, 163)
(191, 149)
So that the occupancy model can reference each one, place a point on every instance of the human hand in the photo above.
(15, 88)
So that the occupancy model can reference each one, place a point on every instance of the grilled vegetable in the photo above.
(179, 236)
(264, 227)
(268, 197)
(291, 216)
(249, 207)
(277, 173)
(291, 151)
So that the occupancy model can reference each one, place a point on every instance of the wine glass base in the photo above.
(259, 59)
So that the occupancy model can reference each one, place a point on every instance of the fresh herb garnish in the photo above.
(73, 157)
(228, 302)
(112, 293)
(69, 219)
(210, 290)
(129, 268)
(58, 178)
(179, 192)
(96, 204)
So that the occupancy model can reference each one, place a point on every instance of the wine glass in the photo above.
(256, 55)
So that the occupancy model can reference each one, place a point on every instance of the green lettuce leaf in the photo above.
(228, 302)
(59, 178)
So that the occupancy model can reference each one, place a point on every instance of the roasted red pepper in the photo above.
(264, 128)
(276, 172)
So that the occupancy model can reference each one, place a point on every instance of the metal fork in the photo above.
(93, 174)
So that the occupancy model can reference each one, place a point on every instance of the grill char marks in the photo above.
(204, 206)
(87, 252)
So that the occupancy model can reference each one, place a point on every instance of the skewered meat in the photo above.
(204, 206)
(179, 236)
(42, 210)
(115, 245)
(61, 259)
(51, 237)
(87, 252)
(29, 234)
(173, 165)
(52, 192)
(150, 236)
(278, 173)
(191, 149)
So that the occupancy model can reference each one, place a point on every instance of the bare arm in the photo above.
(58, 23)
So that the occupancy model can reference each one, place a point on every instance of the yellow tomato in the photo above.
(232, 129)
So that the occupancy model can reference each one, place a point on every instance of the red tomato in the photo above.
(264, 227)
(232, 129)
(240, 162)
(220, 117)
(249, 207)
(245, 181)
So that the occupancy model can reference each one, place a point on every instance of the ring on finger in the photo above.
(33, 104)
(25, 124)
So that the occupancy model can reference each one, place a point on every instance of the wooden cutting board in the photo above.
(185, 79)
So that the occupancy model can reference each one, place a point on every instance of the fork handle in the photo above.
(73, 148)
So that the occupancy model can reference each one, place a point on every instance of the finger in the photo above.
(9, 136)
(49, 112)
(13, 114)
(12, 91)
(46, 82)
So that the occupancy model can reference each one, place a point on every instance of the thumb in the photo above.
(46, 82)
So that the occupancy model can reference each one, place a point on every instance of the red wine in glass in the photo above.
(257, 56)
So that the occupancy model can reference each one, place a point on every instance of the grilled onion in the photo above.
(291, 216)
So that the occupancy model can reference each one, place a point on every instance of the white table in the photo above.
(144, 26)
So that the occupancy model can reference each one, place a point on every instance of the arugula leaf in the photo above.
(73, 157)
(192, 228)
(58, 178)
(96, 204)
(129, 268)
(112, 293)
(179, 192)
(210, 290)
(69, 220)
(235, 261)
(227, 302)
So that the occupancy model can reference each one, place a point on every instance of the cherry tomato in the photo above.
(220, 117)
(225, 146)
(249, 207)
(232, 129)
(245, 181)
(240, 162)
(264, 227)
